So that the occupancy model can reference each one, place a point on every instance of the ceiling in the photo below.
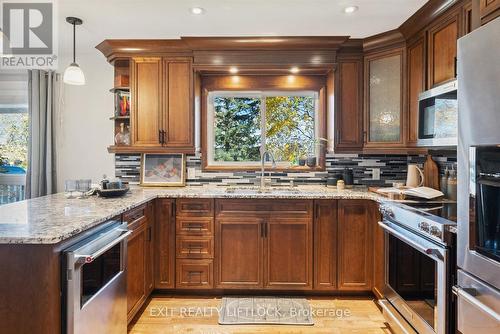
(163, 19)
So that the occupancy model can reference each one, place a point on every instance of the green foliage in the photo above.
(14, 139)
(289, 128)
(237, 129)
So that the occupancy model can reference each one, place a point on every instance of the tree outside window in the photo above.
(245, 123)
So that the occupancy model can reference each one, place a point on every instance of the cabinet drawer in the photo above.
(281, 208)
(195, 247)
(135, 214)
(195, 207)
(194, 274)
(194, 226)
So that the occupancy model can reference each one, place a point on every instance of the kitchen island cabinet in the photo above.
(243, 257)
(139, 258)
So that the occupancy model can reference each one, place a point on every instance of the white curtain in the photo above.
(41, 174)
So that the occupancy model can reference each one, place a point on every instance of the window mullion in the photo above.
(262, 123)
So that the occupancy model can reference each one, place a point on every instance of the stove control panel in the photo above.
(424, 227)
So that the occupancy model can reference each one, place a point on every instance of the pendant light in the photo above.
(73, 75)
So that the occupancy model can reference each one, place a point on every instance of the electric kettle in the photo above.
(414, 177)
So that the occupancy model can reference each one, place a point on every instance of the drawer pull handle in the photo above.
(194, 227)
(195, 273)
(194, 249)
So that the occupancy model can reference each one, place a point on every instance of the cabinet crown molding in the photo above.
(122, 48)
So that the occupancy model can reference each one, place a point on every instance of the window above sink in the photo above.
(241, 124)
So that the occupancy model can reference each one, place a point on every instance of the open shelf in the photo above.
(120, 118)
(115, 89)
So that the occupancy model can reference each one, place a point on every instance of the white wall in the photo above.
(84, 130)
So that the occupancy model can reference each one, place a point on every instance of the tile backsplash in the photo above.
(392, 169)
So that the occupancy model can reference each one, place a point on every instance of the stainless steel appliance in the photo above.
(437, 116)
(419, 262)
(94, 285)
(478, 286)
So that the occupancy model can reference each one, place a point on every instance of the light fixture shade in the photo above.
(73, 75)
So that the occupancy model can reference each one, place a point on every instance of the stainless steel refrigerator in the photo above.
(478, 249)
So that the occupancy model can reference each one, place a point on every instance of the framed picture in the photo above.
(162, 169)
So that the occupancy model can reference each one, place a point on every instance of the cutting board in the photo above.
(431, 173)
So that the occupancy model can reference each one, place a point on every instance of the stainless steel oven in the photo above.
(418, 260)
(95, 281)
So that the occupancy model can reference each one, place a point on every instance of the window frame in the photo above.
(210, 164)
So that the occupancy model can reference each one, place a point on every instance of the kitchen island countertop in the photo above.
(55, 218)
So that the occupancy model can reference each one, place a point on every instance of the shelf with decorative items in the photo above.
(121, 92)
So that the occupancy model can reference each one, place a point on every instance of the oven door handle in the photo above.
(462, 292)
(88, 258)
(433, 252)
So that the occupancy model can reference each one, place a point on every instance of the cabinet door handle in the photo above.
(455, 66)
(159, 137)
(265, 229)
(149, 233)
(262, 230)
(164, 136)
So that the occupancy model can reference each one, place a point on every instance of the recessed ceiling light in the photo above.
(233, 70)
(350, 9)
(294, 69)
(197, 10)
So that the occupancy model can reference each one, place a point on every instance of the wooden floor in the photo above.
(165, 315)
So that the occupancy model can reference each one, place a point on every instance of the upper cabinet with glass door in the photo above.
(384, 99)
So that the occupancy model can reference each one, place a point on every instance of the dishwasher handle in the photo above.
(90, 256)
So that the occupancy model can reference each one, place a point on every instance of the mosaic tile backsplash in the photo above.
(392, 169)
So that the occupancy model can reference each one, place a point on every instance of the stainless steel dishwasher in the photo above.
(94, 281)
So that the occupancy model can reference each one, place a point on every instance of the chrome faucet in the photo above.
(262, 163)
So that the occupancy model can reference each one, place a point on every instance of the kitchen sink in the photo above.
(258, 190)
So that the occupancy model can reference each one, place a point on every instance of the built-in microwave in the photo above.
(438, 116)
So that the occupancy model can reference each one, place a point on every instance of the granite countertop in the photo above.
(55, 218)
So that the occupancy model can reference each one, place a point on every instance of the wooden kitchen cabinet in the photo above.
(139, 258)
(325, 245)
(165, 244)
(416, 84)
(355, 244)
(194, 274)
(178, 112)
(146, 108)
(349, 103)
(263, 244)
(194, 243)
(288, 252)
(488, 10)
(239, 252)
(442, 50)
(162, 113)
(384, 117)
(378, 256)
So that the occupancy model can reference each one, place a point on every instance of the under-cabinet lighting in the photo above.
(350, 9)
(294, 70)
(235, 79)
(233, 70)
